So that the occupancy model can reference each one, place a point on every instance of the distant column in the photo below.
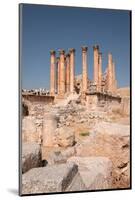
(114, 78)
(68, 73)
(52, 72)
(72, 69)
(96, 66)
(100, 72)
(62, 72)
(84, 69)
(57, 74)
(110, 73)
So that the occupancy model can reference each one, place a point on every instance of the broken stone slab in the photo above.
(31, 156)
(94, 171)
(48, 179)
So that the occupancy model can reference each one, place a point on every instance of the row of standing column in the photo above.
(111, 83)
(62, 72)
(63, 80)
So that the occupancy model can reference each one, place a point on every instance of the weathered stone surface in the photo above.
(94, 171)
(113, 129)
(109, 140)
(31, 129)
(65, 137)
(48, 179)
(49, 128)
(58, 156)
(77, 184)
(31, 156)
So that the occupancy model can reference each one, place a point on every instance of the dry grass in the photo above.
(84, 134)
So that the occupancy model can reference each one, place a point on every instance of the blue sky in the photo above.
(46, 27)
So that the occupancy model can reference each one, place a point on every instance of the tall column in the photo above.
(100, 72)
(57, 74)
(62, 72)
(110, 73)
(96, 66)
(68, 73)
(84, 69)
(72, 69)
(114, 78)
(52, 72)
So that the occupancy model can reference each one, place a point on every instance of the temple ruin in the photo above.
(63, 80)
(76, 136)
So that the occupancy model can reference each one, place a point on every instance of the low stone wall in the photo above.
(94, 100)
(38, 98)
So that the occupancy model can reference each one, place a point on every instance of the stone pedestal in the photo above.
(72, 69)
(52, 72)
(84, 69)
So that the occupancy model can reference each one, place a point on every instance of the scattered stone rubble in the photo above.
(57, 156)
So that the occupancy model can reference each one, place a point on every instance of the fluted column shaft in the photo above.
(100, 72)
(110, 73)
(72, 69)
(57, 74)
(62, 72)
(96, 66)
(52, 72)
(67, 73)
(84, 69)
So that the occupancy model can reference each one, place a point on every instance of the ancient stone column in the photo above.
(49, 128)
(96, 66)
(57, 74)
(114, 78)
(68, 73)
(72, 69)
(52, 72)
(100, 72)
(84, 69)
(62, 72)
(110, 73)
